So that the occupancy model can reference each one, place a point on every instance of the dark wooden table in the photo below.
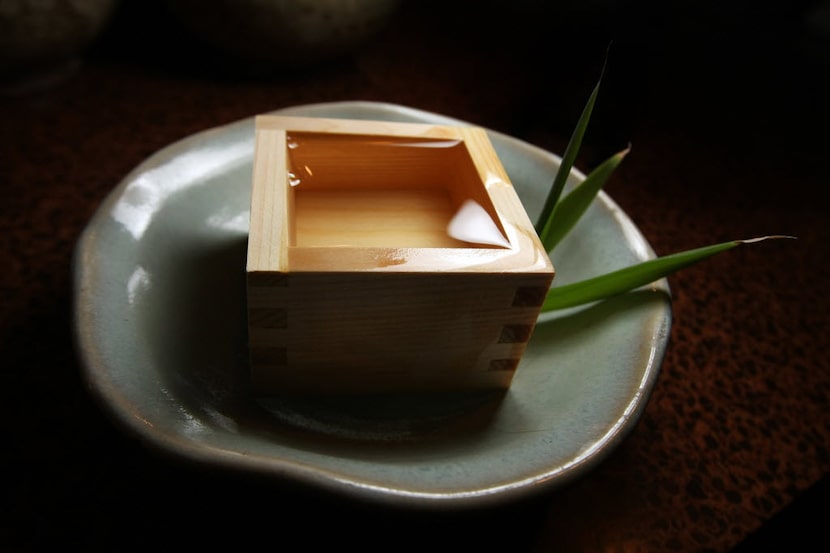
(727, 113)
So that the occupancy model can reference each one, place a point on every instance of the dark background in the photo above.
(726, 107)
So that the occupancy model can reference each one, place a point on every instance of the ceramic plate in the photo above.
(160, 324)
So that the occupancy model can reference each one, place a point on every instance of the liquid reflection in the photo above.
(472, 223)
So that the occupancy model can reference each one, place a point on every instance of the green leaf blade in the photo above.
(568, 159)
(629, 278)
(570, 209)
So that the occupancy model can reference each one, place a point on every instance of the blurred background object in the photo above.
(41, 41)
(264, 35)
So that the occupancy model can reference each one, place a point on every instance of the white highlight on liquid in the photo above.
(472, 223)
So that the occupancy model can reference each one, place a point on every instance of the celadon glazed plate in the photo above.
(160, 322)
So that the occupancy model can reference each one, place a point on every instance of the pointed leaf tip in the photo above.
(635, 276)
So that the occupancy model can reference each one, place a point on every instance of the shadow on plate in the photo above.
(203, 339)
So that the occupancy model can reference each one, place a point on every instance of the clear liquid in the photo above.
(398, 193)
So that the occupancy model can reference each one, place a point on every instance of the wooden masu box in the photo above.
(386, 257)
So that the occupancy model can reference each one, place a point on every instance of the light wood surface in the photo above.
(391, 218)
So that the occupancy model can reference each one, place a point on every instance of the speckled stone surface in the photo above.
(728, 129)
